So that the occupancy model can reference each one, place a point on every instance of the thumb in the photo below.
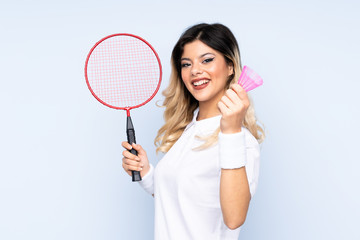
(138, 148)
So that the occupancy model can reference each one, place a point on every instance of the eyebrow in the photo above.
(202, 55)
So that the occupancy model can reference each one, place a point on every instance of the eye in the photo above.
(207, 60)
(185, 65)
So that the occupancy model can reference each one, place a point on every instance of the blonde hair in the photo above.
(180, 104)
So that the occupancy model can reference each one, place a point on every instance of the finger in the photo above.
(243, 96)
(232, 95)
(131, 168)
(228, 103)
(138, 148)
(236, 87)
(125, 167)
(126, 145)
(239, 91)
(130, 162)
(223, 108)
(131, 156)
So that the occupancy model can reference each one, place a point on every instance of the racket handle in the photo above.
(130, 132)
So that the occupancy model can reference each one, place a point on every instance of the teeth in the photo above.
(198, 83)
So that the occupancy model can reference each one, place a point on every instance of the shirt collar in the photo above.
(205, 125)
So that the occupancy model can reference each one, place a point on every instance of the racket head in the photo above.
(249, 79)
(123, 71)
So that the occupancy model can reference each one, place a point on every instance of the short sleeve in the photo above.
(253, 161)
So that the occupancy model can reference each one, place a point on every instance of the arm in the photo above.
(237, 183)
(234, 196)
(234, 187)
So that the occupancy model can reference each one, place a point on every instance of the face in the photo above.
(204, 72)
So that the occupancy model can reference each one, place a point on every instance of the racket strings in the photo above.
(123, 71)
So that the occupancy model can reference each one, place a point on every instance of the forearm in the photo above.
(234, 187)
(234, 196)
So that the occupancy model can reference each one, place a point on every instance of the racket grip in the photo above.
(130, 132)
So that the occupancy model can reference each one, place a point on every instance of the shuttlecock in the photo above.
(249, 79)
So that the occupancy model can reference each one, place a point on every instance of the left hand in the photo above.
(233, 106)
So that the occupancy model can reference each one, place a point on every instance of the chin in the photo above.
(202, 98)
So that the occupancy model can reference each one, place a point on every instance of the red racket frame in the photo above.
(127, 109)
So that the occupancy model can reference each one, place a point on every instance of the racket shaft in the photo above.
(130, 132)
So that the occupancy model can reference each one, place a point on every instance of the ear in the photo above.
(230, 69)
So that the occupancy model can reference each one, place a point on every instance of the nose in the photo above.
(196, 69)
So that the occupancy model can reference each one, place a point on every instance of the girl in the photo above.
(203, 185)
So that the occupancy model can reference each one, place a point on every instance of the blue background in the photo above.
(60, 160)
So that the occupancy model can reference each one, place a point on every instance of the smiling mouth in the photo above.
(201, 82)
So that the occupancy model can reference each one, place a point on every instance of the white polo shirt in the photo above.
(186, 183)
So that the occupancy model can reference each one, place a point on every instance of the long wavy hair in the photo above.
(180, 104)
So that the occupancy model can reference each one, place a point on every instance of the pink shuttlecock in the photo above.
(249, 79)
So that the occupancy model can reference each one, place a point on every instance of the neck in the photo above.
(207, 110)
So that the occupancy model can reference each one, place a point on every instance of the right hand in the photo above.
(132, 162)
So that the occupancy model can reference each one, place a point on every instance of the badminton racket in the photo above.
(123, 71)
(249, 79)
